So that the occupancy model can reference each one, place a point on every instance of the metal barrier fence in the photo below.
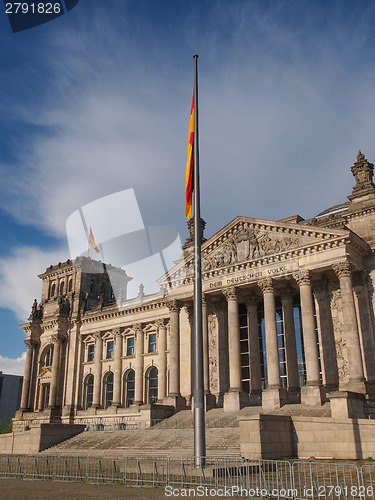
(221, 476)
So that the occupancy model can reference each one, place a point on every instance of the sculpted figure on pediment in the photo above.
(247, 244)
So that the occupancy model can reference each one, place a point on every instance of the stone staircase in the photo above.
(172, 437)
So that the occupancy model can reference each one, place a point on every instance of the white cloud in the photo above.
(13, 366)
(19, 282)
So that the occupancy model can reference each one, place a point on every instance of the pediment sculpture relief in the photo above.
(247, 244)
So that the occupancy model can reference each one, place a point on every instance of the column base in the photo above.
(359, 386)
(313, 395)
(177, 401)
(294, 395)
(346, 404)
(235, 400)
(273, 398)
(255, 398)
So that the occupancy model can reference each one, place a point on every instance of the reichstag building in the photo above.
(288, 318)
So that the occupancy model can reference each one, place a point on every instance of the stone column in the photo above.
(138, 365)
(117, 367)
(174, 349)
(57, 342)
(356, 376)
(162, 360)
(311, 394)
(30, 350)
(274, 396)
(365, 326)
(98, 354)
(290, 345)
(234, 399)
(255, 369)
(327, 339)
(40, 398)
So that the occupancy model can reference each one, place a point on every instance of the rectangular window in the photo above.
(152, 342)
(130, 346)
(90, 352)
(110, 349)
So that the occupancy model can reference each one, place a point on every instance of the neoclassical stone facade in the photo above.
(288, 317)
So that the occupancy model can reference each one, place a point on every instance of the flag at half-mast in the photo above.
(92, 241)
(190, 166)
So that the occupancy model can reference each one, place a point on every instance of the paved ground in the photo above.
(22, 489)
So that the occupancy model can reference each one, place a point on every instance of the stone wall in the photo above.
(38, 438)
(278, 436)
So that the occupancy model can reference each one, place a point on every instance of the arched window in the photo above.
(70, 285)
(89, 390)
(108, 390)
(61, 289)
(53, 290)
(153, 385)
(49, 356)
(130, 386)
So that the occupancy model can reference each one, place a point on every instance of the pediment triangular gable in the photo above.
(247, 239)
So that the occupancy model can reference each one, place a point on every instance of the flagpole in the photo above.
(198, 388)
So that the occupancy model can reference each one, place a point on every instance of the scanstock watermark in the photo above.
(231, 491)
(28, 14)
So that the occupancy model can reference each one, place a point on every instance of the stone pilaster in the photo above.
(56, 362)
(98, 355)
(272, 397)
(118, 340)
(312, 394)
(290, 345)
(138, 365)
(234, 399)
(356, 375)
(30, 354)
(365, 326)
(327, 339)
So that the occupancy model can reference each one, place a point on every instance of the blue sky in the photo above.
(98, 101)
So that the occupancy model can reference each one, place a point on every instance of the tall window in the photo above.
(281, 344)
(49, 356)
(62, 284)
(89, 390)
(53, 290)
(152, 342)
(45, 389)
(130, 346)
(153, 385)
(110, 349)
(109, 390)
(70, 285)
(244, 346)
(130, 386)
(90, 352)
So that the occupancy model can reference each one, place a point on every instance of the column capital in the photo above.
(31, 344)
(230, 293)
(343, 269)
(206, 299)
(116, 332)
(160, 323)
(302, 277)
(56, 339)
(137, 327)
(173, 305)
(266, 285)
(97, 336)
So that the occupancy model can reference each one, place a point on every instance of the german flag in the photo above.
(92, 241)
(190, 166)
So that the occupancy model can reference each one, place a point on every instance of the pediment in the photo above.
(249, 242)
